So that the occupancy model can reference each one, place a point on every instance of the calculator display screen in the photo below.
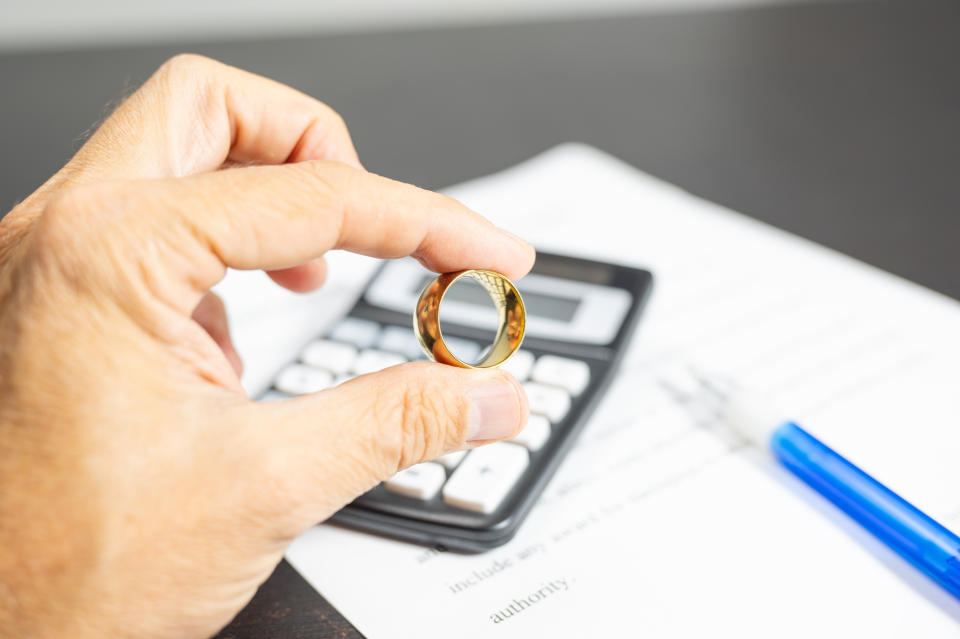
(554, 307)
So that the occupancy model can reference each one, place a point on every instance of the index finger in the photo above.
(279, 216)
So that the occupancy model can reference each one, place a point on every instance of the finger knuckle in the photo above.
(420, 425)
(328, 183)
(190, 79)
(328, 171)
(187, 65)
(84, 231)
(424, 420)
(334, 119)
(75, 214)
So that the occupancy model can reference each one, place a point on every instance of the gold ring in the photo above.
(512, 318)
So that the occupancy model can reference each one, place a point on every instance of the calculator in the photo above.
(580, 317)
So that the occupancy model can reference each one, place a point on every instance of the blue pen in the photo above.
(919, 539)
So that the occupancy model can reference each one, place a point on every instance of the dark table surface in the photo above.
(839, 122)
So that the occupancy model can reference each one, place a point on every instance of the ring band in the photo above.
(512, 318)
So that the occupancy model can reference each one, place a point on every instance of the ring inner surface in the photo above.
(510, 317)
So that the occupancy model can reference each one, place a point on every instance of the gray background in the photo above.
(840, 122)
(45, 24)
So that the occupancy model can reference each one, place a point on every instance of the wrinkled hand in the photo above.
(142, 493)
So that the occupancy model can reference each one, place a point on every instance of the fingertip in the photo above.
(234, 358)
(525, 246)
(527, 256)
(302, 278)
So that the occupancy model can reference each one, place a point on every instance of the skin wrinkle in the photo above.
(324, 145)
(211, 105)
(146, 289)
(228, 106)
(188, 74)
(12, 227)
(204, 247)
(414, 408)
(336, 208)
(301, 141)
(211, 314)
(176, 332)
(8, 273)
(240, 131)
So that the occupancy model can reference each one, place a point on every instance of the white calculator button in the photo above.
(400, 340)
(298, 379)
(535, 434)
(359, 332)
(486, 477)
(452, 460)
(422, 481)
(273, 396)
(549, 401)
(519, 365)
(370, 361)
(570, 374)
(333, 356)
(463, 349)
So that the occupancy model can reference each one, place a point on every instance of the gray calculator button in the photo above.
(400, 340)
(332, 356)
(486, 477)
(298, 379)
(359, 332)
(535, 434)
(370, 361)
(572, 375)
(519, 365)
(422, 481)
(550, 401)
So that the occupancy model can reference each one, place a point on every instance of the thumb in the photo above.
(321, 451)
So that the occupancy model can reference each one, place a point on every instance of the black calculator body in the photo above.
(581, 315)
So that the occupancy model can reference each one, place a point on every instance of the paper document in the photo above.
(657, 525)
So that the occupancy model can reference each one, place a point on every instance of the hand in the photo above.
(142, 493)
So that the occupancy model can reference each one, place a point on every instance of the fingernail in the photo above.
(497, 406)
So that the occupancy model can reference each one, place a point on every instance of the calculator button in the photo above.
(298, 379)
(550, 401)
(359, 332)
(370, 361)
(400, 340)
(452, 460)
(463, 349)
(572, 375)
(519, 365)
(535, 434)
(422, 481)
(486, 477)
(333, 356)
